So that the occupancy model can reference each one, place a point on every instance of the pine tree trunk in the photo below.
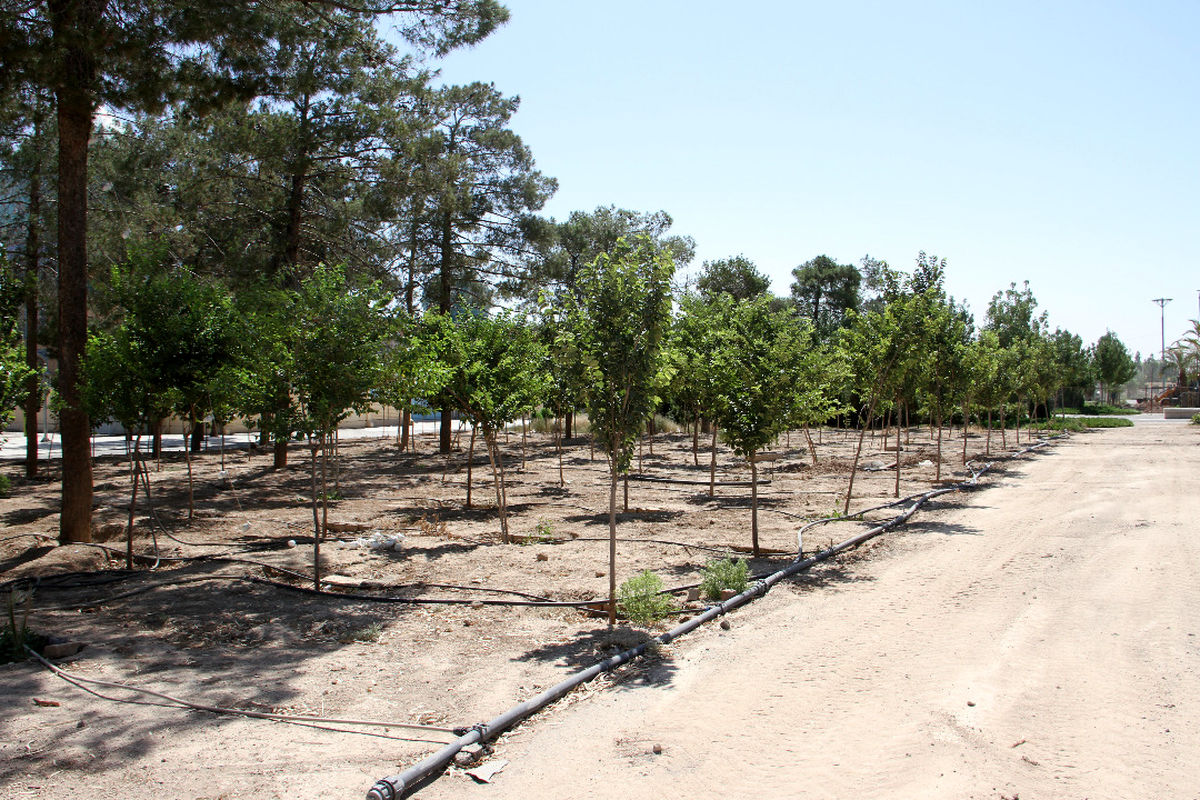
(75, 108)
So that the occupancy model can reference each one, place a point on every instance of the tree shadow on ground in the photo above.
(640, 515)
(656, 667)
(161, 631)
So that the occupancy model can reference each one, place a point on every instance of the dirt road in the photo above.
(1042, 640)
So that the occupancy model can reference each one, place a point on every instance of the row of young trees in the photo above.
(728, 355)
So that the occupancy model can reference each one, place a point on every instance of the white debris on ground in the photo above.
(378, 541)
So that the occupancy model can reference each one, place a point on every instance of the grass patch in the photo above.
(1081, 424)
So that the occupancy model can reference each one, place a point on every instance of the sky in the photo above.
(1048, 142)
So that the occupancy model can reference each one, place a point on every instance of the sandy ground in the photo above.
(1041, 642)
(1037, 638)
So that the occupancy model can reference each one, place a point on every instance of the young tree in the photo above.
(762, 357)
(14, 374)
(621, 318)
(495, 373)
(1113, 364)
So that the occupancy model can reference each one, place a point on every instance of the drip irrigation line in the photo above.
(626, 540)
(169, 701)
(355, 596)
(396, 786)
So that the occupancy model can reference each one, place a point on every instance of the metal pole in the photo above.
(1162, 321)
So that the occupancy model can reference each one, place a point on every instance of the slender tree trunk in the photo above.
(133, 473)
(987, 447)
(1004, 427)
(937, 469)
(696, 442)
(862, 434)
(187, 455)
(470, 462)
(899, 449)
(498, 480)
(612, 541)
(33, 397)
(559, 448)
(966, 421)
(625, 484)
(812, 451)
(402, 432)
(568, 424)
(754, 503)
(75, 108)
(523, 436)
(316, 512)
(712, 464)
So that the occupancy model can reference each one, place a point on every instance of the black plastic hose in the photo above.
(395, 786)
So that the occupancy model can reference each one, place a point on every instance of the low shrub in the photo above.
(640, 599)
(724, 574)
(1098, 409)
(5, 485)
(1196, 419)
(1108, 422)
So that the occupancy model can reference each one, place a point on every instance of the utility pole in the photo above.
(1162, 323)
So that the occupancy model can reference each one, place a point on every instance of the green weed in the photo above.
(640, 599)
(724, 574)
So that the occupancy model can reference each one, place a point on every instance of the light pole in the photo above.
(1162, 323)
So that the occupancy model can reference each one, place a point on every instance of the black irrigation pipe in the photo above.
(396, 786)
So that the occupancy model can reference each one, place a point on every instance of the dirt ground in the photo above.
(929, 640)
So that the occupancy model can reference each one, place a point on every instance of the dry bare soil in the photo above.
(1035, 639)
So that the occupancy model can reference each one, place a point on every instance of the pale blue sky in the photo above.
(1053, 142)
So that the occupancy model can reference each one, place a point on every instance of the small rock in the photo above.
(657, 749)
(543, 557)
(477, 604)
(466, 623)
(62, 650)
(971, 703)
(291, 542)
(600, 574)
(725, 625)
(46, 703)
(693, 594)
(727, 594)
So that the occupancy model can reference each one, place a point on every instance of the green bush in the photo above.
(724, 574)
(640, 599)
(1108, 422)
(1196, 419)
(1096, 409)
(5, 486)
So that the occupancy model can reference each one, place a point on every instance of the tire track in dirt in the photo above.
(1041, 641)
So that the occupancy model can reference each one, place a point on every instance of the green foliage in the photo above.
(1196, 419)
(495, 366)
(737, 277)
(1094, 409)
(640, 599)
(1080, 424)
(724, 574)
(13, 371)
(5, 485)
(619, 323)
(542, 534)
(1114, 366)
(825, 291)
